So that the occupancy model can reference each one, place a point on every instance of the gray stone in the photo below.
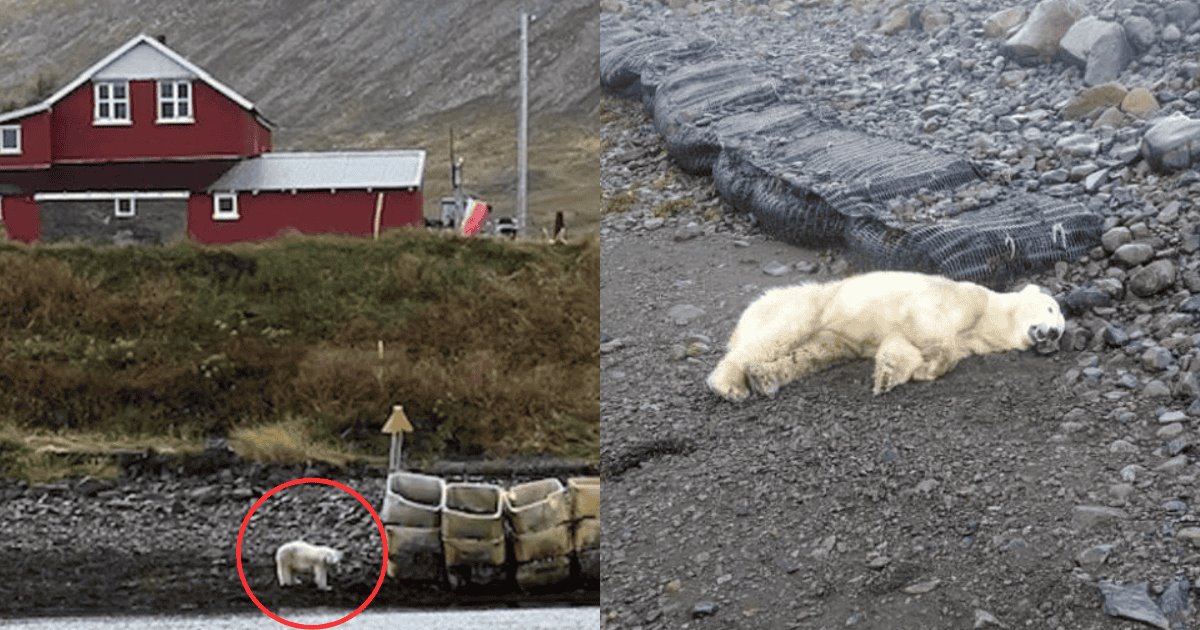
(1157, 359)
(1088, 516)
(1081, 300)
(1133, 254)
(1038, 38)
(1156, 389)
(1172, 465)
(1079, 39)
(1140, 32)
(684, 314)
(1169, 417)
(1189, 534)
(1094, 556)
(1000, 23)
(1171, 34)
(1153, 278)
(1115, 238)
(1093, 181)
(1078, 145)
(775, 268)
(1174, 602)
(1172, 144)
(1132, 602)
(1182, 13)
(1108, 58)
(705, 608)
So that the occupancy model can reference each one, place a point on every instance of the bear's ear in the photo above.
(1031, 288)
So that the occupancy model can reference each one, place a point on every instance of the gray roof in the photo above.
(340, 170)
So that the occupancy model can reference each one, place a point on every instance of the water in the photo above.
(525, 619)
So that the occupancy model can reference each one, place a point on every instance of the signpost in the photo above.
(397, 424)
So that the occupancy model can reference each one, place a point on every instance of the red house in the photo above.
(145, 146)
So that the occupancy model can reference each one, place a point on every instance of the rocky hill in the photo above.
(359, 74)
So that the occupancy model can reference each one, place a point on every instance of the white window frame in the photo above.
(112, 102)
(10, 150)
(125, 214)
(218, 214)
(175, 100)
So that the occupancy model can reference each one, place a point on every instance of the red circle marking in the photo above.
(382, 569)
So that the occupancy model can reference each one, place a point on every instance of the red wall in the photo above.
(269, 214)
(222, 128)
(21, 219)
(35, 143)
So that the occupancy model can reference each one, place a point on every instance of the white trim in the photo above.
(103, 196)
(112, 101)
(132, 207)
(99, 65)
(17, 150)
(217, 214)
(175, 100)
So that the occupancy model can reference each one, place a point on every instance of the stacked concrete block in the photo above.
(473, 537)
(412, 516)
(584, 493)
(539, 513)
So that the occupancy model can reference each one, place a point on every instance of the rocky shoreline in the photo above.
(161, 539)
(1016, 491)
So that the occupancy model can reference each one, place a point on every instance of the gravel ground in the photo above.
(161, 540)
(1006, 492)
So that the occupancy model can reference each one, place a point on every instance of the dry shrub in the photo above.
(289, 441)
(490, 345)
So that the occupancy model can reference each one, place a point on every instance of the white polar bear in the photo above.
(299, 556)
(915, 326)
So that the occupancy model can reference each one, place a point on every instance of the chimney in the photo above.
(162, 39)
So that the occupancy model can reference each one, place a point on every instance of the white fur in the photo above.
(300, 557)
(915, 326)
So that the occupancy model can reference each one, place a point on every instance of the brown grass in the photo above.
(490, 345)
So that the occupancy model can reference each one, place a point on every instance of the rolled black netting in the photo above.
(811, 182)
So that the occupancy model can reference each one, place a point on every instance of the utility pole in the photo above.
(523, 132)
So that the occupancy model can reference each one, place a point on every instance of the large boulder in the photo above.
(1140, 32)
(1075, 45)
(1172, 144)
(1001, 23)
(1108, 58)
(1093, 100)
(1038, 38)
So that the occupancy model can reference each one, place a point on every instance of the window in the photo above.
(10, 140)
(112, 103)
(225, 207)
(124, 207)
(175, 102)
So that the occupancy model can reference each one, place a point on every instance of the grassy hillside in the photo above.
(490, 345)
(362, 74)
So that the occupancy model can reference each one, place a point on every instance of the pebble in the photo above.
(775, 268)
(684, 314)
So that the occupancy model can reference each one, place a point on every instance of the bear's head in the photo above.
(333, 556)
(1039, 318)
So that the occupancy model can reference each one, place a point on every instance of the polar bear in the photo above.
(299, 556)
(915, 326)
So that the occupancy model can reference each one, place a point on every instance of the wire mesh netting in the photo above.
(810, 181)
